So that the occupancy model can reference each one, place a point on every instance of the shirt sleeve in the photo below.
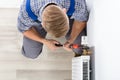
(81, 12)
(24, 22)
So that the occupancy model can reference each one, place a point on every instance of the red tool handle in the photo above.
(75, 46)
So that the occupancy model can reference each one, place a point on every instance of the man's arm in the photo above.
(76, 30)
(33, 34)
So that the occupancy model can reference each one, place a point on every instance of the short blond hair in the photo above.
(55, 21)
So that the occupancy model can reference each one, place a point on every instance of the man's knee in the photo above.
(31, 54)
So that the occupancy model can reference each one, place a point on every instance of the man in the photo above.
(52, 17)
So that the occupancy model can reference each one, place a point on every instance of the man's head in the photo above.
(55, 21)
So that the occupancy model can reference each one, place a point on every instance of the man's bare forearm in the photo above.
(76, 30)
(33, 34)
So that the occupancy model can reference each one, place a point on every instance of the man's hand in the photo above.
(50, 43)
(67, 45)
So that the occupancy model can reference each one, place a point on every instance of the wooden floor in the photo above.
(13, 66)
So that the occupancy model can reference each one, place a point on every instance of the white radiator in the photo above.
(81, 68)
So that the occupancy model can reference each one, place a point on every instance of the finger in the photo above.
(53, 48)
(68, 49)
(56, 42)
(67, 45)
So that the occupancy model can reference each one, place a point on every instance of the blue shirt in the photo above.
(37, 6)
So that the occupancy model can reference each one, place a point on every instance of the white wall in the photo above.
(10, 3)
(103, 32)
